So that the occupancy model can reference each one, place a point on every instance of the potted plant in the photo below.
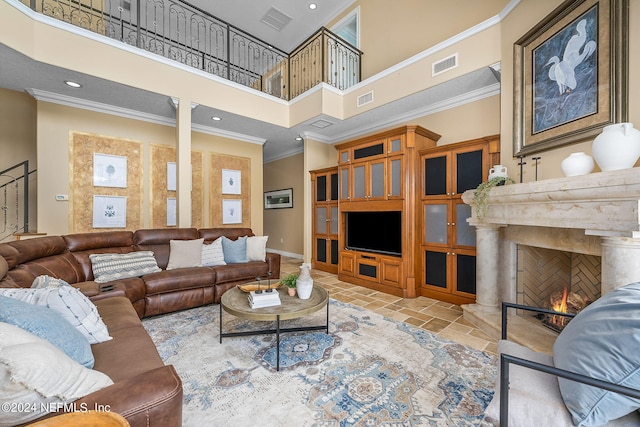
(290, 282)
(481, 193)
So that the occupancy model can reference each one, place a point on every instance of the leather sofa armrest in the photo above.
(89, 289)
(153, 398)
(273, 261)
(108, 294)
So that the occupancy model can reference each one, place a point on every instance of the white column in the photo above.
(487, 255)
(183, 163)
(620, 262)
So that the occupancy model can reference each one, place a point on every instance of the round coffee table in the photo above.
(235, 302)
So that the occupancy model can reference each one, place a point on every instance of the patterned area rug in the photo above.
(369, 371)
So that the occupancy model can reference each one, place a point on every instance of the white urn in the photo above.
(304, 282)
(498, 171)
(617, 147)
(577, 164)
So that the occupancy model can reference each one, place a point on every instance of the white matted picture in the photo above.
(171, 211)
(109, 171)
(171, 176)
(278, 199)
(109, 211)
(231, 181)
(231, 211)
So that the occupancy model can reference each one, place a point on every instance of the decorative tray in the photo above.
(254, 286)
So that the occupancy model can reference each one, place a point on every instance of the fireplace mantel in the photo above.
(602, 204)
(597, 214)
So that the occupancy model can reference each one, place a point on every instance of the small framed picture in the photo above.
(231, 181)
(278, 199)
(232, 211)
(109, 212)
(109, 171)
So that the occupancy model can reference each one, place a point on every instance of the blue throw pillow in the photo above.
(235, 251)
(602, 341)
(49, 325)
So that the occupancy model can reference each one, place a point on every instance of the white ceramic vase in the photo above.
(617, 147)
(498, 171)
(577, 164)
(304, 283)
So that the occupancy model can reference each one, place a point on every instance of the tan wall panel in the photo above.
(83, 146)
(219, 162)
(159, 157)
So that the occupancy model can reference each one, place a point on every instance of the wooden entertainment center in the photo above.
(401, 171)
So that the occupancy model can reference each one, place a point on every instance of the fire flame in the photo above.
(562, 308)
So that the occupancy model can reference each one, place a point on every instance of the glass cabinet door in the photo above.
(321, 220)
(344, 183)
(468, 171)
(321, 188)
(377, 180)
(436, 227)
(395, 177)
(436, 269)
(333, 188)
(465, 234)
(435, 176)
(334, 220)
(359, 190)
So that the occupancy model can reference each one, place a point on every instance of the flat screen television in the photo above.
(378, 232)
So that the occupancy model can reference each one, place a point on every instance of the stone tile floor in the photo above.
(438, 317)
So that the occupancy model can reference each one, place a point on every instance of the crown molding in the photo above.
(83, 104)
(227, 134)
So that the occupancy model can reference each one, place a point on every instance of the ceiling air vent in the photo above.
(321, 123)
(365, 99)
(444, 65)
(275, 19)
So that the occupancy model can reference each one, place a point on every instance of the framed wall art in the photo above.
(570, 75)
(231, 181)
(109, 211)
(278, 199)
(232, 211)
(109, 170)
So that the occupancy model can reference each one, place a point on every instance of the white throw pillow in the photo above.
(108, 267)
(69, 302)
(185, 254)
(39, 376)
(257, 248)
(212, 254)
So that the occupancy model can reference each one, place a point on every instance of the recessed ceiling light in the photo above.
(312, 6)
(72, 84)
(298, 138)
(216, 118)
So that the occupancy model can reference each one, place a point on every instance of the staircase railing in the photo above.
(10, 200)
(182, 32)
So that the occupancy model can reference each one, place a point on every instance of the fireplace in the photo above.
(593, 218)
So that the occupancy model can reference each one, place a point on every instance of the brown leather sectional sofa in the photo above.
(145, 391)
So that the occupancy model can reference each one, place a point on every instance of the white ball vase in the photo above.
(577, 164)
(617, 147)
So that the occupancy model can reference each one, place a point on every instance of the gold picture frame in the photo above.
(570, 75)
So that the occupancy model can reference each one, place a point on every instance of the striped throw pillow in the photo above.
(108, 267)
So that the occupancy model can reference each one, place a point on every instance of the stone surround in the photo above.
(596, 214)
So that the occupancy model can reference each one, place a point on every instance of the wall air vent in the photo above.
(365, 99)
(275, 19)
(444, 65)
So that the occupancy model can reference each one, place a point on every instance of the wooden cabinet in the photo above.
(448, 242)
(379, 173)
(325, 219)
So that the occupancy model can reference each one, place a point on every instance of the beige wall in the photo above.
(285, 226)
(17, 144)
(55, 122)
(524, 17)
(390, 34)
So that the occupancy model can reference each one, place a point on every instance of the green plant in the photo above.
(481, 193)
(289, 280)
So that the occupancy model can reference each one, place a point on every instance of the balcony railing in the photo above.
(187, 34)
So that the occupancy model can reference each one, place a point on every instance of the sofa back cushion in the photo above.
(211, 234)
(28, 259)
(157, 240)
(84, 244)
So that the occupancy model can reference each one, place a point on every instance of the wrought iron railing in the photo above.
(14, 203)
(187, 34)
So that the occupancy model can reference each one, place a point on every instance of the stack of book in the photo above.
(264, 299)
